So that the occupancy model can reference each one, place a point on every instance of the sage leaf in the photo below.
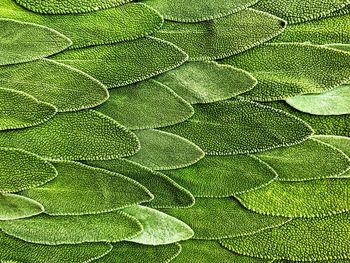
(216, 218)
(82, 135)
(230, 127)
(16, 206)
(57, 230)
(164, 151)
(125, 63)
(20, 170)
(223, 176)
(18, 44)
(340, 142)
(205, 82)
(87, 190)
(223, 37)
(137, 106)
(158, 228)
(20, 110)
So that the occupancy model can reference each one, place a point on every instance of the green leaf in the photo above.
(223, 176)
(113, 25)
(15, 250)
(333, 102)
(164, 151)
(298, 11)
(125, 63)
(87, 190)
(166, 192)
(64, 87)
(132, 252)
(196, 11)
(297, 163)
(300, 240)
(205, 82)
(56, 230)
(340, 142)
(286, 70)
(20, 110)
(16, 206)
(213, 218)
(223, 37)
(208, 251)
(20, 170)
(82, 135)
(137, 106)
(68, 6)
(22, 42)
(230, 127)
(159, 228)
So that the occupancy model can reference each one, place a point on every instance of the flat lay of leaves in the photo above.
(185, 131)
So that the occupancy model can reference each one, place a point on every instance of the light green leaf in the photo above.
(164, 151)
(204, 82)
(87, 190)
(16, 206)
(64, 87)
(223, 37)
(223, 176)
(82, 135)
(68, 6)
(20, 170)
(230, 127)
(113, 25)
(297, 163)
(56, 230)
(21, 42)
(20, 110)
(136, 253)
(333, 102)
(138, 106)
(298, 11)
(166, 192)
(126, 62)
(159, 228)
(207, 251)
(340, 142)
(286, 70)
(299, 240)
(216, 218)
(196, 11)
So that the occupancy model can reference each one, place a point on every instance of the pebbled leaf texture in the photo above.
(216, 218)
(68, 6)
(298, 11)
(340, 142)
(164, 151)
(137, 106)
(300, 240)
(223, 176)
(16, 250)
(223, 37)
(82, 135)
(125, 63)
(87, 190)
(159, 228)
(297, 163)
(286, 70)
(205, 82)
(56, 230)
(166, 192)
(195, 11)
(20, 170)
(64, 87)
(16, 206)
(20, 110)
(18, 44)
(230, 127)
(108, 26)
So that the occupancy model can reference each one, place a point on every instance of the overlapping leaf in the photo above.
(340, 142)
